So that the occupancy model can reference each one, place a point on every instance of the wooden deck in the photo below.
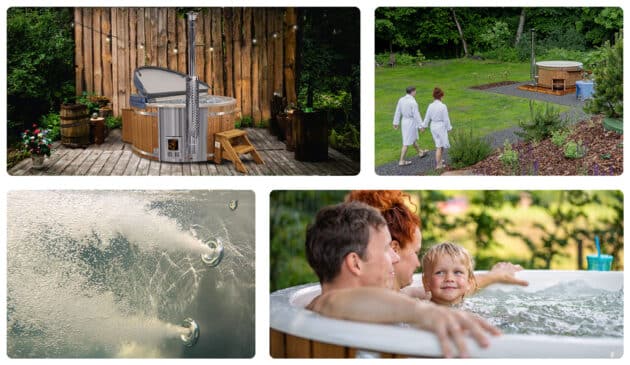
(115, 158)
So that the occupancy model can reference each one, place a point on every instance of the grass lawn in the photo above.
(483, 111)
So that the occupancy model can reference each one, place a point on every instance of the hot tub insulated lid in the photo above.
(560, 65)
(154, 83)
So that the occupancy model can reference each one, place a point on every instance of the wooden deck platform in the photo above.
(544, 90)
(115, 158)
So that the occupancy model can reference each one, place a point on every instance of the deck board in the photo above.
(115, 158)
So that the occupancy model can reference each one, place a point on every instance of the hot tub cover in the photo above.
(154, 83)
(559, 64)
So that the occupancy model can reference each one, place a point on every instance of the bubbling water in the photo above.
(570, 308)
(100, 274)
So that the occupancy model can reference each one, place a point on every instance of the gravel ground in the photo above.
(420, 166)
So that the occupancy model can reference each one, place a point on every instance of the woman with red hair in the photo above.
(437, 116)
(405, 228)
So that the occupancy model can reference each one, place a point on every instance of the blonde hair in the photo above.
(455, 252)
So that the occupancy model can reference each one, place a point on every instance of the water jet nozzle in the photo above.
(190, 339)
(213, 258)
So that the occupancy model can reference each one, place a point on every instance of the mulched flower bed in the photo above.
(494, 84)
(604, 155)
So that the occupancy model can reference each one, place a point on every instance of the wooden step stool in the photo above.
(234, 143)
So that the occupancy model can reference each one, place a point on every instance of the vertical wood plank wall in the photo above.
(245, 53)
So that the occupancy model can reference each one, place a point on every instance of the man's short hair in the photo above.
(410, 89)
(337, 231)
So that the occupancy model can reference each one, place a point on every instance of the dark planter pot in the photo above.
(282, 119)
(277, 107)
(311, 136)
(97, 130)
(289, 132)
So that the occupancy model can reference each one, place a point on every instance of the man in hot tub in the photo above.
(348, 247)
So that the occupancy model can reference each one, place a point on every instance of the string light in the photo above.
(294, 27)
(109, 37)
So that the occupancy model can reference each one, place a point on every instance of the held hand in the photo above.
(504, 272)
(395, 126)
(453, 325)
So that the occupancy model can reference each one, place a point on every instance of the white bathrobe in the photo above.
(407, 110)
(437, 115)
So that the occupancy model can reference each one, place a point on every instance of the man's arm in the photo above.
(378, 305)
(397, 115)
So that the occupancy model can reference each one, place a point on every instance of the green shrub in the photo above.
(559, 137)
(15, 156)
(574, 150)
(608, 75)
(402, 59)
(543, 121)
(40, 64)
(563, 54)
(87, 100)
(244, 122)
(509, 157)
(112, 122)
(467, 149)
(506, 54)
(52, 122)
(347, 140)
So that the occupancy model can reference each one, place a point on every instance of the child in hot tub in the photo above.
(447, 273)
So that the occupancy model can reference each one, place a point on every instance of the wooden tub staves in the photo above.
(283, 345)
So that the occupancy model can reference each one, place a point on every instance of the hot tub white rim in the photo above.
(287, 318)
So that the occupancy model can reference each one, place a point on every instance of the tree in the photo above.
(40, 63)
(521, 25)
(608, 74)
(461, 34)
(329, 54)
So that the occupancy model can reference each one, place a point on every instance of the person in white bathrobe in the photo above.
(408, 117)
(437, 117)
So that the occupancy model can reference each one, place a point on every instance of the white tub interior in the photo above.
(289, 316)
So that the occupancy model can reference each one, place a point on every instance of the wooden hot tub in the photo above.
(140, 126)
(558, 75)
(159, 127)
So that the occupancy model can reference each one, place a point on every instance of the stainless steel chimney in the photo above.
(192, 89)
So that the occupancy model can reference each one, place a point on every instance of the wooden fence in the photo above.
(245, 53)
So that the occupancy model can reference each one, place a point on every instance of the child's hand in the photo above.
(504, 272)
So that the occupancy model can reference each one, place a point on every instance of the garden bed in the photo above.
(603, 155)
(493, 85)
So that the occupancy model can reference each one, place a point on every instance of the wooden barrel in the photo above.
(105, 112)
(310, 131)
(75, 126)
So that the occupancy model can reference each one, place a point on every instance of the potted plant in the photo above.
(37, 143)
